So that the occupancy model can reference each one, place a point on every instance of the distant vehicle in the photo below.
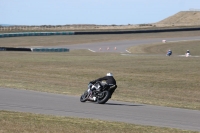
(169, 53)
(187, 54)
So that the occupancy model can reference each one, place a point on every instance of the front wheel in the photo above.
(103, 97)
(84, 97)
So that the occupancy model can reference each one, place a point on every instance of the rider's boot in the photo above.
(94, 98)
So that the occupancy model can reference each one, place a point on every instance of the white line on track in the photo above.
(188, 56)
(128, 51)
(184, 40)
(91, 50)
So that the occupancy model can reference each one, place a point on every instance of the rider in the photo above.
(169, 53)
(109, 79)
(187, 53)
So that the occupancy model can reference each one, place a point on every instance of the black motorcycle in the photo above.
(103, 93)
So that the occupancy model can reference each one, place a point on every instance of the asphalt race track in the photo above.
(121, 46)
(63, 105)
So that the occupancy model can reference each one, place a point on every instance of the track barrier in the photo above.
(20, 34)
(14, 49)
(49, 50)
(34, 49)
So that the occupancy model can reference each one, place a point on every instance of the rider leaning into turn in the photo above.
(109, 79)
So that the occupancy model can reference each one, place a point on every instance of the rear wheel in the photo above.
(84, 97)
(103, 97)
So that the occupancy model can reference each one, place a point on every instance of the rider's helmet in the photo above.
(188, 50)
(109, 74)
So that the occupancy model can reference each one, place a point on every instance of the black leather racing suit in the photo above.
(110, 80)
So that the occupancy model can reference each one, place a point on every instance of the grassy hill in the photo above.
(183, 18)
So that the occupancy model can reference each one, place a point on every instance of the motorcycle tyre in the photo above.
(84, 97)
(104, 99)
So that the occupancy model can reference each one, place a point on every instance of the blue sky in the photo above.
(102, 12)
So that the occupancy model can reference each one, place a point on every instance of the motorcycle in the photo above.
(103, 93)
(187, 54)
(169, 53)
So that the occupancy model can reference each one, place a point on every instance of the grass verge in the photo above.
(14, 122)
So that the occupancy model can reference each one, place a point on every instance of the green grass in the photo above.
(13, 122)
